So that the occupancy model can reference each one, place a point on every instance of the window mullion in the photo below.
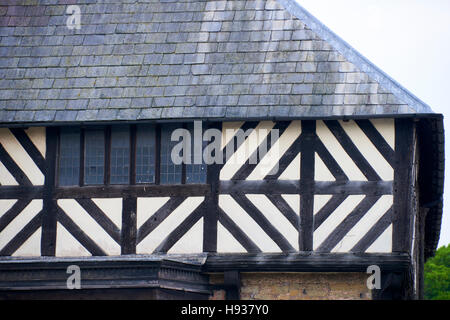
(133, 154)
(82, 156)
(107, 176)
(158, 154)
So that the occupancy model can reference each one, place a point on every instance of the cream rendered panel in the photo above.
(386, 127)
(6, 178)
(383, 244)
(5, 205)
(330, 224)
(365, 224)
(21, 157)
(38, 136)
(31, 247)
(19, 222)
(226, 243)
(112, 208)
(67, 245)
(245, 150)
(338, 153)
(321, 172)
(176, 217)
(293, 200)
(228, 131)
(277, 219)
(146, 207)
(320, 201)
(247, 224)
(279, 148)
(89, 226)
(191, 241)
(292, 172)
(368, 150)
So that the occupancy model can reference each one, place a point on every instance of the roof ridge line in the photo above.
(355, 57)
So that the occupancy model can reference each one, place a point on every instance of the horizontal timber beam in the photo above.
(21, 192)
(277, 187)
(50, 273)
(118, 191)
(306, 262)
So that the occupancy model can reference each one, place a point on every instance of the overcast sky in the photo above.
(407, 39)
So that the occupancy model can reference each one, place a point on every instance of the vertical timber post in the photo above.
(48, 242)
(128, 236)
(211, 212)
(307, 173)
(403, 185)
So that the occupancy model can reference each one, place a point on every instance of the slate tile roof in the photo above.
(151, 59)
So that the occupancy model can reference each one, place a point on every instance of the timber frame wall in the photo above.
(402, 188)
(307, 144)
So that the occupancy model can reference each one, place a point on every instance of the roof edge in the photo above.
(353, 56)
(223, 118)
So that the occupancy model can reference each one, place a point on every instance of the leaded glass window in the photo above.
(120, 155)
(145, 153)
(170, 173)
(69, 157)
(94, 157)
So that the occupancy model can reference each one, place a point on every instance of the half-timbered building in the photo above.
(87, 177)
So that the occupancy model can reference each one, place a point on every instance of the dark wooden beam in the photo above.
(307, 175)
(48, 238)
(21, 192)
(369, 188)
(129, 229)
(141, 190)
(232, 284)
(211, 214)
(403, 185)
(260, 186)
(122, 272)
(306, 262)
(278, 187)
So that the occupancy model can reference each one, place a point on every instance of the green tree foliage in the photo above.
(437, 275)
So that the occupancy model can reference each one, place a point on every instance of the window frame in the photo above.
(133, 158)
